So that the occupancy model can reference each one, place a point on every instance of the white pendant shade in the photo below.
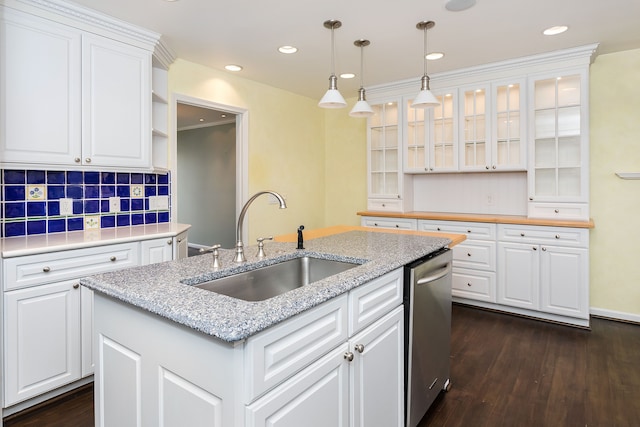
(425, 99)
(361, 109)
(332, 99)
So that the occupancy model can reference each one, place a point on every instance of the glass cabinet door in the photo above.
(416, 146)
(384, 165)
(508, 133)
(557, 138)
(443, 138)
(476, 154)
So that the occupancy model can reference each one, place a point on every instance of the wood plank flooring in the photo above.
(505, 371)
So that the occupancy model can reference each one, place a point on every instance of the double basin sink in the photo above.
(273, 280)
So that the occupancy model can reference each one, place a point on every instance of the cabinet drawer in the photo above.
(477, 254)
(396, 223)
(476, 285)
(559, 236)
(568, 211)
(21, 272)
(473, 230)
(370, 302)
(384, 205)
(277, 353)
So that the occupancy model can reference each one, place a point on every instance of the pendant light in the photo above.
(362, 107)
(332, 99)
(425, 98)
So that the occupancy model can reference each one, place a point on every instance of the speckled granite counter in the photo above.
(164, 289)
(44, 243)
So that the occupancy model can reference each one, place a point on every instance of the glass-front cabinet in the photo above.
(492, 129)
(558, 180)
(431, 135)
(385, 157)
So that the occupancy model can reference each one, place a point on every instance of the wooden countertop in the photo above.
(500, 219)
(337, 229)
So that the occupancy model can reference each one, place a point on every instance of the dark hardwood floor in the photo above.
(505, 371)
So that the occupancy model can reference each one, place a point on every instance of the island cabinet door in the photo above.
(377, 373)
(315, 397)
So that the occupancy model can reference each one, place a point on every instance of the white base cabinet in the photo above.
(47, 319)
(328, 366)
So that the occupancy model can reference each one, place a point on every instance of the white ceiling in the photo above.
(248, 32)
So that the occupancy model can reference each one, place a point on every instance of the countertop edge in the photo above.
(12, 247)
(487, 218)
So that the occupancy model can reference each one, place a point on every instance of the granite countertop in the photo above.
(162, 289)
(45, 243)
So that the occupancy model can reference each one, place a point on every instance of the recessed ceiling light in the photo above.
(433, 56)
(347, 75)
(201, 119)
(232, 67)
(552, 31)
(223, 115)
(458, 5)
(287, 49)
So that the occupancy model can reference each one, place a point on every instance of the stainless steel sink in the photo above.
(273, 280)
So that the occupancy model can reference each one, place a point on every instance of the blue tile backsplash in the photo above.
(31, 200)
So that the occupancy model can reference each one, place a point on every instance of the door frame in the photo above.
(242, 148)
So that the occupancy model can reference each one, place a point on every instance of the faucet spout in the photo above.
(239, 245)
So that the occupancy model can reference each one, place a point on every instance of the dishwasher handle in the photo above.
(438, 274)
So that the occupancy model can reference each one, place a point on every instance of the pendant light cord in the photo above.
(333, 48)
(361, 66)
(425, 50)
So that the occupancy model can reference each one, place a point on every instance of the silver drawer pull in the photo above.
(521, 234)
(46, 269)
(469, 284)
(76, 286)
(557, 236)
(169, 242)
(349, 356)
(468, 254)
(87, 160)
(557, 210)
(359, 348)
(113, 259)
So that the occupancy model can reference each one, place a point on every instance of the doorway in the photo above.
(208, 180)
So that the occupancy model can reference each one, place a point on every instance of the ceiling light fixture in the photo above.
(232, 67)
(425, 98)
(558, 29)
(459, 5)
(362, 107)
(332, 98)
(434, 56)
(347, 75)
(287, 49)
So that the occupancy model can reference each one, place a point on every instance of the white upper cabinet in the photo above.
(40, 105)
(430, 142)
(492, 127)
(71, 96)
(559, 155)
(116, 94)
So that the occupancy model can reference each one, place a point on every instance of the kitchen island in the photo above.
(170, 353)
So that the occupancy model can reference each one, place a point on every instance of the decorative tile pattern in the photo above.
(30, 200)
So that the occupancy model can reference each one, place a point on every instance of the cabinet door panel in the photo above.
(39, 75)
(564, 281)
(377, 373)
(42, 320)
(116, 103)
(518, 275)
(158, 250)
(316, 397)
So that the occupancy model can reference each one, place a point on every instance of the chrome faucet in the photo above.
(239, 246)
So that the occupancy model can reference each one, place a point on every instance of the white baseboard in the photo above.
(616, 315)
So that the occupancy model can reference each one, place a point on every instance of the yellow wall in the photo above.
(286, 145)
(615, 203)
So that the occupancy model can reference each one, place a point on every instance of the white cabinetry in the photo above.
(544, 269)
(431, 135)
(559, 141)
(181, 245)
(385, 177)
(338, 364)
(157, 250)
(393, 223)
(474, 260)
(90, 95)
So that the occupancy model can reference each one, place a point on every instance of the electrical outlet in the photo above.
(490, 199)
(114, 204)
(66, 206)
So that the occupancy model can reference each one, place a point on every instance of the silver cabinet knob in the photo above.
(468, 254)
(170, 242)
(46, 269)
(397, 226)
(349, 356)
(544, 249)
(521, 234)
(557, 236)
(535, 248)
(113, 259)
(384, 206)
(87, 160)
(76, 286)
(493, 167)
(557, 210)
(487, 167)
(359, 348)
(76, 159)
(469, 284)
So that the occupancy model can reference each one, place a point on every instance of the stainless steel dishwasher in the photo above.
(427, 300)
